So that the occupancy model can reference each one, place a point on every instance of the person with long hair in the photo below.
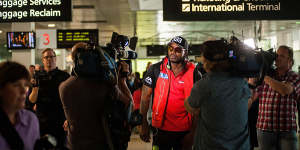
(19, 128)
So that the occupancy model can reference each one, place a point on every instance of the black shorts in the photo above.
(166, 140)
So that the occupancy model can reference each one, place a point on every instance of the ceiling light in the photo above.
(282, 28)
(1, 31)
(51, 25)
(250, 42)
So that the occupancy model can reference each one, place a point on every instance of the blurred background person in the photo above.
(28, 104)
(138, 90)
(147, 67)
(31, 70)
(46, 97)
(252, 114)
(19, 128)
(38, 67)
(221, 101)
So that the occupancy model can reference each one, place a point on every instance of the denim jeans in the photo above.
(277, 140)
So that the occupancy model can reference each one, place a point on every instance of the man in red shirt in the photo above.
(169, 90)
(278, 96)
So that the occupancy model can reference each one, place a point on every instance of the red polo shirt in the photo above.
(176, 117)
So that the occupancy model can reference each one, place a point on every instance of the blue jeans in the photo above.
(277, 140)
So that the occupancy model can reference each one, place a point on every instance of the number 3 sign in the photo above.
(46, 39)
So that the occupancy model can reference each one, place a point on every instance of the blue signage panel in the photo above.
(35, 10)
(197, 10)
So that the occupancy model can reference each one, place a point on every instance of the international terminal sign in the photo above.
(197, 10)
(35, 10)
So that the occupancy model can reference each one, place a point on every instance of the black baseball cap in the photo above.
(180, 41)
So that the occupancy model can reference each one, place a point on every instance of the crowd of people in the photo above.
(190, 107)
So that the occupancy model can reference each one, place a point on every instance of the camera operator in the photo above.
(46, 97)
(278, 96)
(87, 95)
(221, 100)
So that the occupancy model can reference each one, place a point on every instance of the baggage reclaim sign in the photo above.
(196, 10)
(35, 10)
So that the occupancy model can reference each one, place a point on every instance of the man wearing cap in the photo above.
(169, 89)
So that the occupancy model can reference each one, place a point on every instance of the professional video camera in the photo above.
(248, 62)
(116, 49)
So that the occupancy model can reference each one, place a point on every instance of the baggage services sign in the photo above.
(35, 10)
(196, 10)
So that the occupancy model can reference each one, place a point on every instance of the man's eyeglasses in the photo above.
(46, 57)
(175, 49)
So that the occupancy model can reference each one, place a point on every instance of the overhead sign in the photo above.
(46, 39)
(197, 10)
(68, 38)
(35, 10)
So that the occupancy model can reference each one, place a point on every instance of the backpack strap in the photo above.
(9, 133)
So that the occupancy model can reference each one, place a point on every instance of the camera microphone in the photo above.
(128, 54)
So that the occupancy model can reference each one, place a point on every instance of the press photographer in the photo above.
(96, 99)
(46, 97)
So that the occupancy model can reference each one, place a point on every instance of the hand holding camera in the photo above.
(123, 69)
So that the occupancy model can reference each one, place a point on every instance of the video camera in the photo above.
(101, 62)
(116, 49)
(249, 62)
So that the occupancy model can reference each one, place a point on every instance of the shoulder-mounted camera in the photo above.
(92, 62)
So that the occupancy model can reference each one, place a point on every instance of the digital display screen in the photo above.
(35, 10)
(21, 40)
(198, 10)
(68, 38)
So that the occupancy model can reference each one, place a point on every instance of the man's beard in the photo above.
(179, 61)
